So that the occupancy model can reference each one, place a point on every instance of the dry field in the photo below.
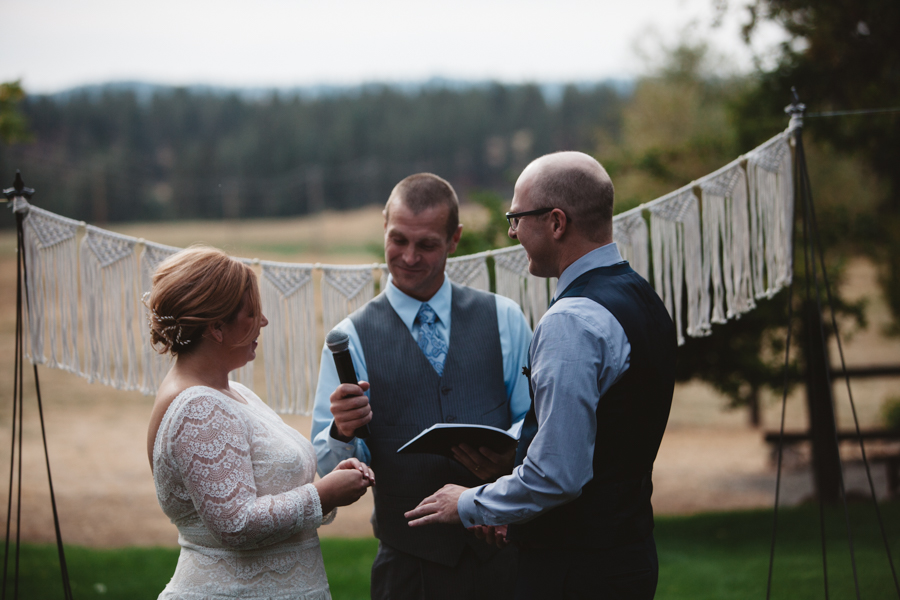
(710, 459)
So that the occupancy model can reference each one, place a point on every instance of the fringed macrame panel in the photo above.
(156, 365)
(108, 284)
(289, 346)
(344, 289)
(633, 240)
(515, 282)
(470, 270)
(726, 245)
(51, 253)
(769, 170)
(677, 262)
(705, 271)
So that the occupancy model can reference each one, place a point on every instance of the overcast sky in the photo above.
(56, 44)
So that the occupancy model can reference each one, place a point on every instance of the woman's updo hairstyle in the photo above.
(195, 288)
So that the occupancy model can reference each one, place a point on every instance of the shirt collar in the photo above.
(407, 307)
(603, 256)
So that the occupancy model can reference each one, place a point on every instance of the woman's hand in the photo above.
(345, 485)
(353, 463)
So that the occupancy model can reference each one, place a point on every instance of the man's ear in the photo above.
(454, 239)
(559, 223)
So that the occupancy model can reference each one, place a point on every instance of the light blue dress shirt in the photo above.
(579, 351)
(515, 336)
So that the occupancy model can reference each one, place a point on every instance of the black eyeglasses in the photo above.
(513, 218)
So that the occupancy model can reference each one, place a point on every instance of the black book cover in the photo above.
(440, 437)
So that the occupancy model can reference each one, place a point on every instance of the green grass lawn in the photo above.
(726, 555)
(714, 555)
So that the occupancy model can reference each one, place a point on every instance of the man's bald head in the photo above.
(577, 184)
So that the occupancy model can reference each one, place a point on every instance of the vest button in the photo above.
(451, 419)
(445, 390)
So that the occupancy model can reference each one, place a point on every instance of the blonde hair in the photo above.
(194, 288)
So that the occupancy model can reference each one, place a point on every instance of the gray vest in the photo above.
(407, 395)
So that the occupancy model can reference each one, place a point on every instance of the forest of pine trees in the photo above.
(123, 153)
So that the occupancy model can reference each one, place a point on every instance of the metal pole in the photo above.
(819, 400)
(19, 195)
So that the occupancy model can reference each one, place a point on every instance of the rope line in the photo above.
(844, 113)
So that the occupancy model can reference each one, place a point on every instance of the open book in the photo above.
(440, 437)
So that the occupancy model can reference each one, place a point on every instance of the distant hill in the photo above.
(144, 91)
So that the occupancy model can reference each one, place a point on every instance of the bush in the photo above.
(890, 412)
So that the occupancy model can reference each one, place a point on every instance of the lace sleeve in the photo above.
(210, 446)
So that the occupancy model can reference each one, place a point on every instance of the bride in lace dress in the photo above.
(230, 474)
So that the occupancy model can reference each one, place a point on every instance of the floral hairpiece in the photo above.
(162, 320)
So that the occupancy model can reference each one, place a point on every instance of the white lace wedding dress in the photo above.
(236, 481)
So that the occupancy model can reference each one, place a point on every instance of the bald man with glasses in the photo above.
(601, 375)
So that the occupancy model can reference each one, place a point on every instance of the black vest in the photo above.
(407, 395)
(614, 507)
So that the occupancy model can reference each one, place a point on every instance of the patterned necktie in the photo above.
(430, 341)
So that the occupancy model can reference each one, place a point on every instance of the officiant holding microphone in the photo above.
(601, 374)
(426, 351)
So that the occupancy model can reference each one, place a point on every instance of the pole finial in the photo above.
(795, 109)
(18, 195)
(18, 189)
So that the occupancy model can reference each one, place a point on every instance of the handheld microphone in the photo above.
(339, 343)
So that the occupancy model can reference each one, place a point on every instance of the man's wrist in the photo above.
(337, 434)
(465, 508)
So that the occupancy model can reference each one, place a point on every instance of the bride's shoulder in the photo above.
(245, 392)
(170, 391)
(180, 400)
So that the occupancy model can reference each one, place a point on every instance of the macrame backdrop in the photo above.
(156, 365)
(344, 289)
(108, 286)
(632, 238)
(711, 249)
(677, 258)
(514, 281)
(771, 215)
(52, 263)
(291, 345)
(726, 243)
(470, 270)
